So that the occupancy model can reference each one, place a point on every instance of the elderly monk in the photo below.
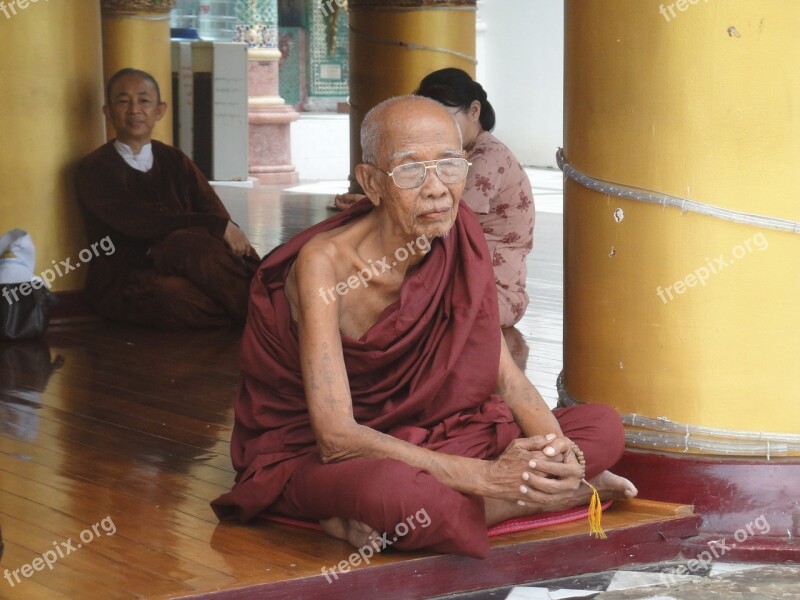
(178, 260)
(376, 383)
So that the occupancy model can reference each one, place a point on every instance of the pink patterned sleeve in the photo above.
(484, 181)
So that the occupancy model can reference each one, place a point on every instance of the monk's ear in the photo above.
(367, 177)
(161, 110)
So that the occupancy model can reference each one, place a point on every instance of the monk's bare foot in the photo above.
(613, 487)
(357, 533)
(608, 485)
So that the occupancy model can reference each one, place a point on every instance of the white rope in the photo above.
(412, 46)
(684, 204)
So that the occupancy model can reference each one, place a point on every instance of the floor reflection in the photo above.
(25, 370)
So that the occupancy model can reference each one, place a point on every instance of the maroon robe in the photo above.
(170, 267)
(425, 373)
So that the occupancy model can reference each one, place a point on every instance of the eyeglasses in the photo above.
(412, 175)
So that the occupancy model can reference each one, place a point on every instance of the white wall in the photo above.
(520, 65)
(520, 51)
(320, 146)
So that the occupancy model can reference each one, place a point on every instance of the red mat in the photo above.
(510, 526)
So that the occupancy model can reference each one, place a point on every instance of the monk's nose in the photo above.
(432, 186)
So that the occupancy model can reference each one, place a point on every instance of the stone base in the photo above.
(277, 177)
(270, 144)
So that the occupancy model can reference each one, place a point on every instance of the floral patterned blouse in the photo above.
(499, 192)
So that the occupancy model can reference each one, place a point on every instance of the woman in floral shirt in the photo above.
(497, 188)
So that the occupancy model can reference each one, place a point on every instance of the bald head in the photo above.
(397, 115)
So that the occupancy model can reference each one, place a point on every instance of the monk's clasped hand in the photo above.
(527, 470)
(556, 474)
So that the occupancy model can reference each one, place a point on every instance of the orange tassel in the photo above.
(595, 514)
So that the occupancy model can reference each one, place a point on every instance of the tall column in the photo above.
(136, 34)
(270, 156)
(669, 313)
(50, 116)
(395, 43)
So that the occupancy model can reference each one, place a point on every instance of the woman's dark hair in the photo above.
(454, 87)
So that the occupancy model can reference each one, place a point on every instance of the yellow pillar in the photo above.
(696, 100)
(394, 45)
(50, 116)
(136, 34)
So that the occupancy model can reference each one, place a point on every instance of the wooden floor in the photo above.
(113, 440)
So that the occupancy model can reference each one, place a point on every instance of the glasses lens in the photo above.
(409, 176)
(452, 170)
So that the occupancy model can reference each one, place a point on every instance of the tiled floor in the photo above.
(719, 581)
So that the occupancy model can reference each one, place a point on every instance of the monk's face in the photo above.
(134, 109)
(418, 132)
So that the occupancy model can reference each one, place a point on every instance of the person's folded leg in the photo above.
(166, 302)
(389, 496)
(598, 431)
(207, 262)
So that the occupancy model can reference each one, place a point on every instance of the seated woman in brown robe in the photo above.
(178, 259)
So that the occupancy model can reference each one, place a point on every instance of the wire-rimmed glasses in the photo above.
(412, 175)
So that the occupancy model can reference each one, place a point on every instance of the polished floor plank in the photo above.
(129, 362)
(110, 572)
(36, 591)
(180, 543)
(138, 413)
(110, 471)
(134, 443)
(80, 448)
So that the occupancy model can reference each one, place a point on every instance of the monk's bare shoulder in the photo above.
(321, 262)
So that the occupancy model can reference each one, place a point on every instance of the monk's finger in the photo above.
(559, 446)
(558, 469)
(536, 442)
(550, 486)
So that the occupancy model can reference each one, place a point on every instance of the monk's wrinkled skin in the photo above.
(533, 470)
